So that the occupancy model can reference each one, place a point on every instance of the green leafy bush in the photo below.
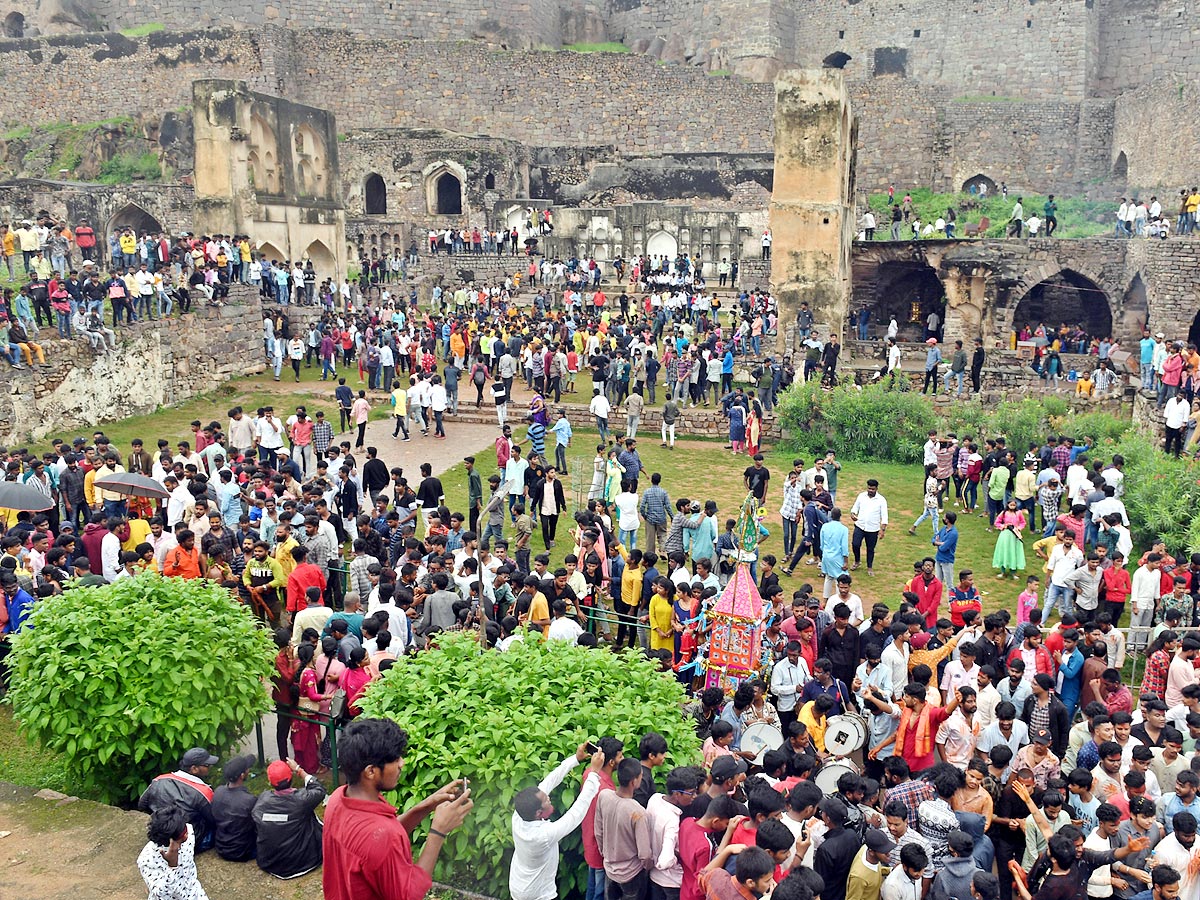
(122, 679)
(504, 720)
(875, 422)
(1161, 494)
(885, 422)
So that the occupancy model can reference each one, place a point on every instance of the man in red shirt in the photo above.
(928, 590)
(367, 845)
(614, 751)
(304, 576)
(700, 840)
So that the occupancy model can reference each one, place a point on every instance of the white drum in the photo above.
(845, 734)
(827, 778)
(759, 738)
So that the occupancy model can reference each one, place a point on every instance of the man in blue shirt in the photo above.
(632, 462)
(946, 541)
(1146, 359)
(835, 551)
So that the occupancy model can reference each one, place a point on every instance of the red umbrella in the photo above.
(131, 484)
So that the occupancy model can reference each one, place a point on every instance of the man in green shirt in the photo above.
(1050, 214)
(474, 493)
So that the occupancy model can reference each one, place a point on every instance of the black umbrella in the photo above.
(23, 498)
(131, 484)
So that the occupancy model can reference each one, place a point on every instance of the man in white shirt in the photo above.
(852, 600)
(665, 811)
(961, 672)
(270, 435)
(956, 736)
(895, 657)
(1065, 558)
(1145, 589)
(893, 355)
(870, 516)
(562, 627)
(787, 680)
(1175, 416)
(599, 407)
(987, 698)
(531, 875)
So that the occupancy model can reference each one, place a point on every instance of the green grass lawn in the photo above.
(1077, 218)
(702, 470)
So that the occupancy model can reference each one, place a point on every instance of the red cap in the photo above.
(279, 772)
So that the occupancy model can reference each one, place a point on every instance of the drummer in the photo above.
(823, 683)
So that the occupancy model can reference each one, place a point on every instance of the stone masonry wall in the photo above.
(1158, 153)
(516, 23)
(156, 363)
(1170, 272)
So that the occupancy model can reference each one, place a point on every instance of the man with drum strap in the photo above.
(787, 680)
(873, 685)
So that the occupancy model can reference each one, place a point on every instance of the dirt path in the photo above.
(86, 851)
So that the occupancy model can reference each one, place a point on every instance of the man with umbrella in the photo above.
(113, 501)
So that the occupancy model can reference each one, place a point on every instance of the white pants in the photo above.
(668, 430)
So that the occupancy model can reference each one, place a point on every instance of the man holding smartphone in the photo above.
(531, 875)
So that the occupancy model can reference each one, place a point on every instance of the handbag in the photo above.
(337, 705)
(307, 705)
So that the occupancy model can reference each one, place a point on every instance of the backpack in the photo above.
(478, 376)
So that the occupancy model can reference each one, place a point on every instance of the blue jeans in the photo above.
(114, 508)
(946, 380)
(597, 884)
(602, 424)
(790, 527)
(756, 342)
(629, 538)
(1063, 596)
(928, 514)
(862, 331)
(1147, 377)
(489, 532)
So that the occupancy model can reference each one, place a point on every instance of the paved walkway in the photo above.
(462, 440)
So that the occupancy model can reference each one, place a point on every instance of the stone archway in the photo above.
(1120, 167)
(979, 181)
(14, 25)
(1066, 297)
(375, 195)
(271, 252)
(133, 216)
(662, 243)
(322, 260)
(836, 60)
(909, 290)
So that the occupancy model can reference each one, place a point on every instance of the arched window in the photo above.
(14, 25)
(489, 182)
(375, 195)
(449, 195)
(1121, 165)
(836, 60)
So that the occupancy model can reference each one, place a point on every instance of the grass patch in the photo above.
(142, 30)
(720, 73)
(1077, 218)
(22, 762)
(19, 133)
(600, 47)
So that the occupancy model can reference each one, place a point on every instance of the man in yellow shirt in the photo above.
(10, 250)
(814, 715)
(284, 545)
(129, 254)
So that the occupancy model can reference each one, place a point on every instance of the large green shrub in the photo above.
(884, 422)
(122, 679)
(873, 422)
(1161, 496)
(504, 720)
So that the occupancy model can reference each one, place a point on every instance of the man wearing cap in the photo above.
(186, 788)
(232, 802)
(870, 866)
(289, 832)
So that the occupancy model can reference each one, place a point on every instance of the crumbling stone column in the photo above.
(812, 219)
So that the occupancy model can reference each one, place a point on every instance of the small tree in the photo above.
(504, 720)
(123, 679)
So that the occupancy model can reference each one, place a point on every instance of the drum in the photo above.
(827, 777)
(845, 734)
(759, 738)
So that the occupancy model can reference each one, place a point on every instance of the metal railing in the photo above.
(332, 728)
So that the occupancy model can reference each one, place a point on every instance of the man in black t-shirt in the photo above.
(756, 478)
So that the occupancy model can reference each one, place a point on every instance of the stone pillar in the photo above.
(812, 218)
